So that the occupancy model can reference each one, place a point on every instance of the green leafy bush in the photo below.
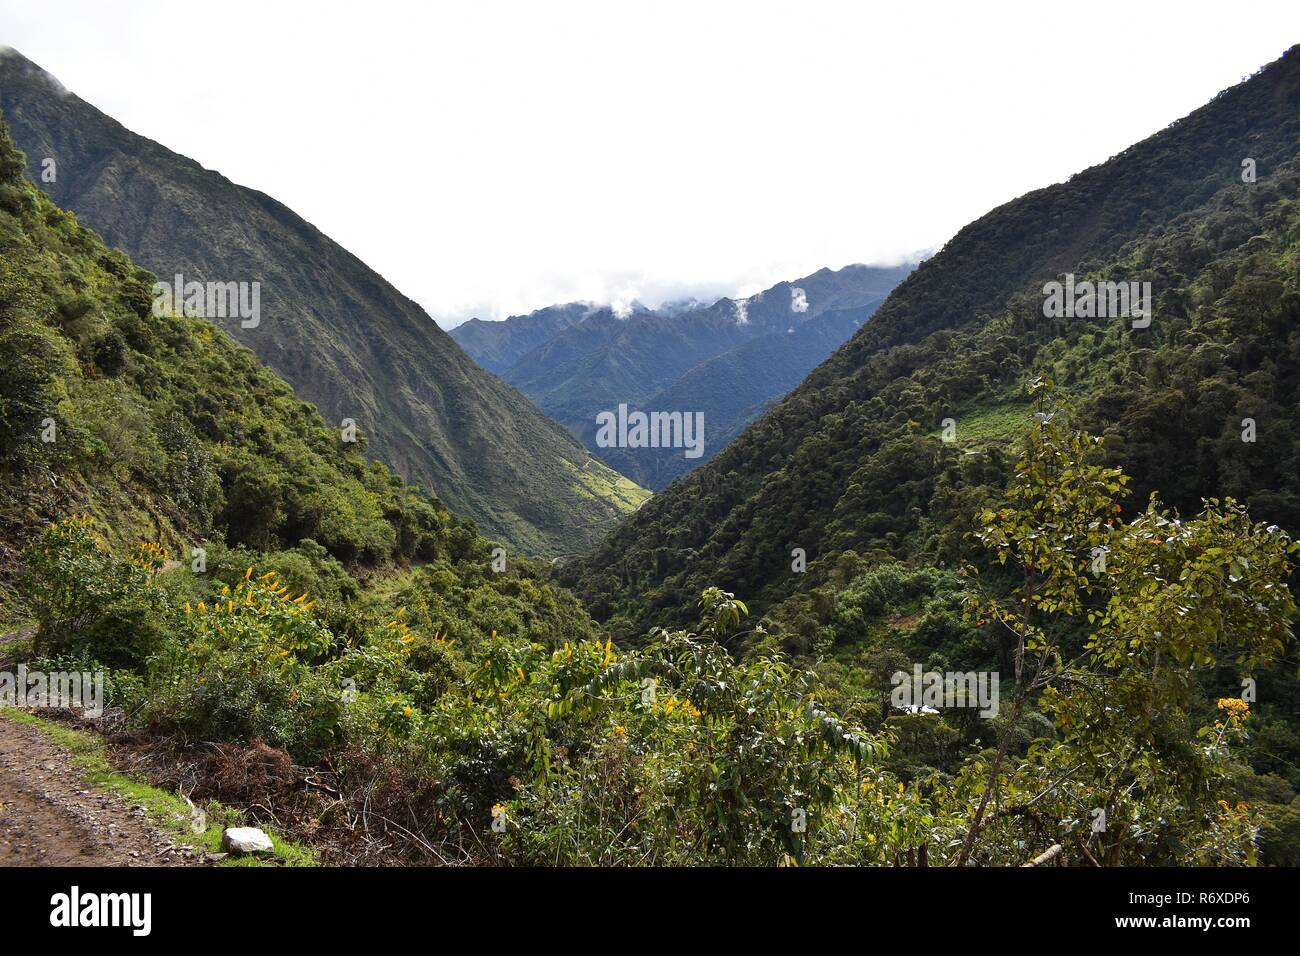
(87, 601)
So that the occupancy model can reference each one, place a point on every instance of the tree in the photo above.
(1110, 628)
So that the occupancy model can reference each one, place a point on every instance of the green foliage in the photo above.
(852, 467)
(32, 362)
(1162, 597)
(84, 600)
(681, 753)
(719, 755)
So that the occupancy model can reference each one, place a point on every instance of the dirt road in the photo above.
(50, 816)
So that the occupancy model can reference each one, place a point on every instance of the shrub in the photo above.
(87, 601)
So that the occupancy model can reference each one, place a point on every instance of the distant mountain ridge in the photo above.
(346, 340)
(729, 359)
(498, 345)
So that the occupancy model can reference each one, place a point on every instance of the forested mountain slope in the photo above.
(164, 427)
(852, 460)
(164, 430)
(736, 387)
(337, 331)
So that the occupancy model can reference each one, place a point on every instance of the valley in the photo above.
(981, 560)
(580, 360)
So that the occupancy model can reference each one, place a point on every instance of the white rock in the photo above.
(246, 840)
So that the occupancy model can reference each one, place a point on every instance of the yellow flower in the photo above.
(1237, 710)
(407, 710)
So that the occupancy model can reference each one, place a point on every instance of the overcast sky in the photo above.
(492, 158)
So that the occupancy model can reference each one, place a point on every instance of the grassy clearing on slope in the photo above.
(599, 482)
(167, 811)
(985, 424)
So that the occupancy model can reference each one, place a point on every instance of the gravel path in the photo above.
(50, 816)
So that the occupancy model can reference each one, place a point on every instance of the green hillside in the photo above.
(347, 341)
(852, 470)
(163, 429)
(847, 462)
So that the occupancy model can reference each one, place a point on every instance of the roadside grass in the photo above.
(167, 811)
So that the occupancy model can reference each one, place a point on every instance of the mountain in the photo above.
(343, 662)
(162, 427)
(727, 360)
(498, 345)
(346, 340)
(851, 465)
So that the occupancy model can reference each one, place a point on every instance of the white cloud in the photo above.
(798, 300)
(493, 158)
